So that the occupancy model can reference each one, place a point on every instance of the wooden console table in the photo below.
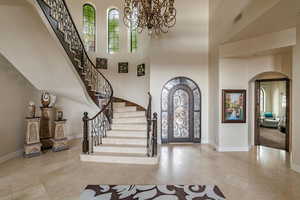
(47, 127)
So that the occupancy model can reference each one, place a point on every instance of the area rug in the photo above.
(149, 192)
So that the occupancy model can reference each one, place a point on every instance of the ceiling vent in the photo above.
(238, 18)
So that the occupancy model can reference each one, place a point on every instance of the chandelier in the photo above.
(158, 16)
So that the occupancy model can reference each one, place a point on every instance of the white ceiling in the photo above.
(259, 17)
(280, 17)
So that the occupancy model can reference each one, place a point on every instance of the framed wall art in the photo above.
(141, 70)
(234, 106)
(101, 63)
(123, 67)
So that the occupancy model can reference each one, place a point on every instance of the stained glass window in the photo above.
(133, 40)
(113, 30)
(89, 27)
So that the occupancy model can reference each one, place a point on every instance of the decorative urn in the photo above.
(31, 110)
(45, 99)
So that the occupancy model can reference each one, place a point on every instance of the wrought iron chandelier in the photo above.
(158, 16)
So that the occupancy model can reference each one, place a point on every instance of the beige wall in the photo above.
(295, 160)
(126, 86)
(16, 93)
(183, 52)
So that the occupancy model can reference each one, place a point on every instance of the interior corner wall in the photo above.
(16, 93)
(295, 160)
(239, 73)
(126, 85)
(213, 109)
(183, 52)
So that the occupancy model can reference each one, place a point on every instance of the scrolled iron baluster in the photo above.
(154, 135)
(94, 128)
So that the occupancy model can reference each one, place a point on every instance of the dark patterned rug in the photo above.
(149, 192)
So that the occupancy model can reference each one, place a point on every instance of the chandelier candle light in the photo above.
(157, 16)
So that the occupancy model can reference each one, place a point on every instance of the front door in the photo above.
(181, 115)
(181, 111)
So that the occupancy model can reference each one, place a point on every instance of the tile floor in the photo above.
(262, 174)
(273, 138)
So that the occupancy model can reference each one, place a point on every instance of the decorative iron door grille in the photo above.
(181, 111)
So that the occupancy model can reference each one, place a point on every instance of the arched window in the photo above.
(113, 31)
(133, 40)
(89, 27)
(133, 34)
(262, 100)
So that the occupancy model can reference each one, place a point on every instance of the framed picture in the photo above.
(123, 67)
(101, 63)
(141, 70)
(234, 106)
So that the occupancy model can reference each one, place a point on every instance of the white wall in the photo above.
(16, 93)
(27, 44)
(183, 52)
(263, 43)
(239, 73)
(37, 54)
(126, 86)
(213, 110)
(73, 111)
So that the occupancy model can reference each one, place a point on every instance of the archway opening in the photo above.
(270, 110)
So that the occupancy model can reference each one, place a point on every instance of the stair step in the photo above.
(132, 126)
(130, 120)
(129, 114)
(124, 141)
(121, 149)
(119, 158)
(125, 109)
(132, 134)
(119, 104)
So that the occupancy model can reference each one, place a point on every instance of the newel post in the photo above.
(154, 137)
(85, 143)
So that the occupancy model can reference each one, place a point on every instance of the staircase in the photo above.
(126, 142)
(118, 133)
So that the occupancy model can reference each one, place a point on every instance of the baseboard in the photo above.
(295, 167)
(11, 156)
(232, 149)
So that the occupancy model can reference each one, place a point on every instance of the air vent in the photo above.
(238, 18)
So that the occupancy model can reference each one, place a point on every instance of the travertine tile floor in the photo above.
(261, 174)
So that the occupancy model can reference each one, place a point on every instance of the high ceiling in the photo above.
(258, 17)
(280, 17)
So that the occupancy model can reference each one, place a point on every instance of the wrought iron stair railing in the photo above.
(97, 86)
(151, 129)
